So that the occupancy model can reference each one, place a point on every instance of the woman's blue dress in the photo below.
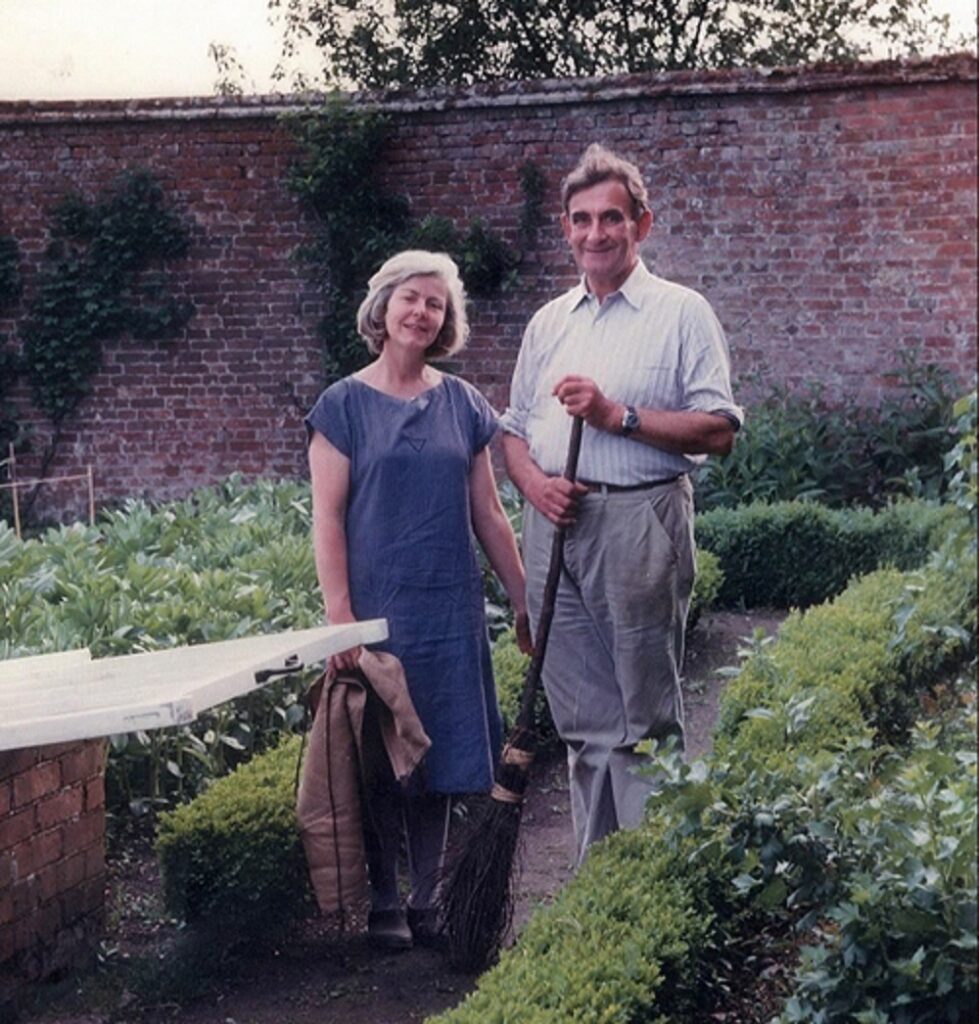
(412, 558)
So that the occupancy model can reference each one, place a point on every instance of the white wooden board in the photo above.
(55, 698)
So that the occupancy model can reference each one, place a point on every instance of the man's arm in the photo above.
(552, 496)
(683, 432)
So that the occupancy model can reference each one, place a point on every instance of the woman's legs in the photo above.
(427, 820)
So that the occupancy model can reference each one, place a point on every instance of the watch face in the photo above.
(630, 421)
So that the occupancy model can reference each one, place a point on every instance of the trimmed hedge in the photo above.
(240, 837)
(616, 942)
(858, 663)
(796, 554)
(232, 859)
(774, 831)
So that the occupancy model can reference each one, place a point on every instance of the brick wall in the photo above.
(52, 860)
(828, 213)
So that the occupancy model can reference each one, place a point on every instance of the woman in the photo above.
(402, 480)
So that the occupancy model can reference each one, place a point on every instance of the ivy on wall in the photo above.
(96, 284)
(100, 278)
(360, 224)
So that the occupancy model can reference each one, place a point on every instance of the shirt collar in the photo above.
(631, 289)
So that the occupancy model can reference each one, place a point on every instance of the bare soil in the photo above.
(150, 972)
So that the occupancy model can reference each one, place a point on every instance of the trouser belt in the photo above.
(647, 485)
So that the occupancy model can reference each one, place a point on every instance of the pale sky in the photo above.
(99, 49)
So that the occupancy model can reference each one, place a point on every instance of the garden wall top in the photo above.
(960, 67)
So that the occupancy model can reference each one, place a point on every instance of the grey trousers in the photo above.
(612, 666)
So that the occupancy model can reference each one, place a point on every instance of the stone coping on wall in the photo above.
(503, 94)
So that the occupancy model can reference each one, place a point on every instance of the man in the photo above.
(644, 362)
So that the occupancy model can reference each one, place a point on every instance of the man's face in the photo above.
(602, 234)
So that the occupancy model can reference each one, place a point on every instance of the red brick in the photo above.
(13, 762)
(95, 794)
(71, 871)
(32, 785)
(6, 939)
(25, 934)
(64, 805)
(31, 855)
(24, 898)
(95, 861)
(16, 827)
(48, 921)
(83, 762)
(87, 830)
(853, 172)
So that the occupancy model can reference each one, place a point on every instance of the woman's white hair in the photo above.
(397, 270)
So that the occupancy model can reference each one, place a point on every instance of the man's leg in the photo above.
(631, 558)
(579, 678)
(646, 571)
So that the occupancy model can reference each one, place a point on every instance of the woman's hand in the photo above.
(345, 661)
(521, 626)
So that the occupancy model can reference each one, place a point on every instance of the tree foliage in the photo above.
(395, 43)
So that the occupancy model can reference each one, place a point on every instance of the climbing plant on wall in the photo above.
(100, 279)
(361, 223)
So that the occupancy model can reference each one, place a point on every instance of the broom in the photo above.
(477, 897)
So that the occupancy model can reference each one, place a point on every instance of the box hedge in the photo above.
(231, 859)
(781, 827)
(615, 943)
(796, 554)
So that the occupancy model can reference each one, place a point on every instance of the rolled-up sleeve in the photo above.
(514, 418)
(706, 363)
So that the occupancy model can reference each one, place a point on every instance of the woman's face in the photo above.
(416, 312)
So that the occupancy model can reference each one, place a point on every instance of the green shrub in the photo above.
(897, 940)
(851, 667)
(797, 445)
(866, 855)
(796, 821)
(706, 585)
(226, 562)
(616, 944)
(509, 670)
(796, 554)
(232, 858)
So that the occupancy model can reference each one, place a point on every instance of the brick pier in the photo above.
(52, 862)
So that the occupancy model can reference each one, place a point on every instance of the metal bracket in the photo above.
(291, 664)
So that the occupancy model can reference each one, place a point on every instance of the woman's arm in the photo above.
(330, 475)
(495, 535)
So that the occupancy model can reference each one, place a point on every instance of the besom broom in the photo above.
(476, 895)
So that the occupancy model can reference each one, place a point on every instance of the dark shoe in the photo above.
(424, 925)
(388, 930)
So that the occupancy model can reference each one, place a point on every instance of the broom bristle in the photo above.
(477, 897)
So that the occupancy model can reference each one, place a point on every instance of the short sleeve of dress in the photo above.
(329, 417)
(484, 422)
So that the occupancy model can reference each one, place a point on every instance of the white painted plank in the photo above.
(60, 697)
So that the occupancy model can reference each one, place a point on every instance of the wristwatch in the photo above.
(630, 421)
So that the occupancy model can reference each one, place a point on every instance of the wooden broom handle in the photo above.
(525, 718)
